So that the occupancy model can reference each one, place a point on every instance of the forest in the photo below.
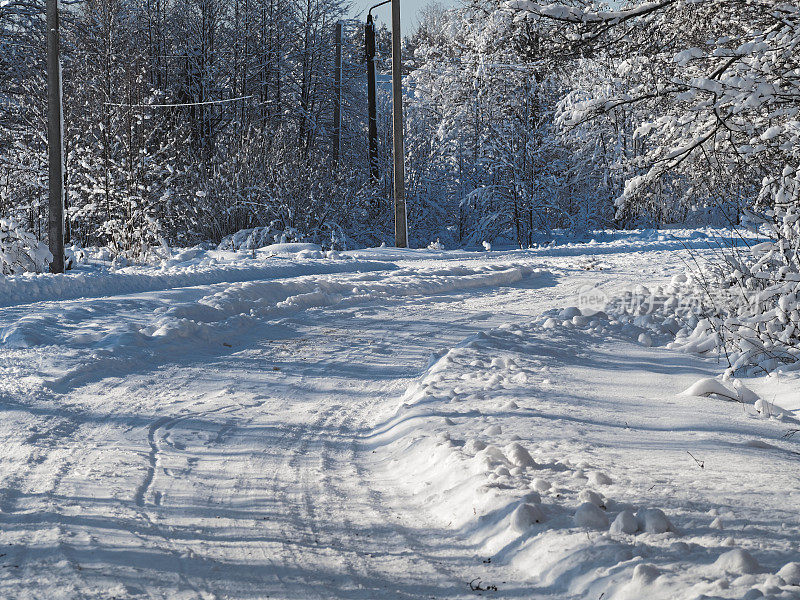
(188, 120)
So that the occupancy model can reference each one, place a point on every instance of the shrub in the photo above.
(20, 251)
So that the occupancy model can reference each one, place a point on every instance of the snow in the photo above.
(625, 522)
(590, 432)
(20, 251)
(790, 573)
(384, 423)
(198, 268)
(708, 386)
(563, 12)
(591, 516)
(737, 561)
(295, 248)
(525, 516)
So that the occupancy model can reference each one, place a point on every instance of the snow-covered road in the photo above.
(233, 438)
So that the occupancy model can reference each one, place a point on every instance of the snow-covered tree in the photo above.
(711, 89)
(714, 91)
(485, 89)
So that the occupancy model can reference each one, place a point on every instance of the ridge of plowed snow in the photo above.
(31, 287)
(530, 445)
(150, 327)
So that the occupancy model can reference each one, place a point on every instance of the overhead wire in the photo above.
(178, 105)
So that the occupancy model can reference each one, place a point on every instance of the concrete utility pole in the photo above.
(372, 107)
(55, 229)
(400, 222)
(337, 100)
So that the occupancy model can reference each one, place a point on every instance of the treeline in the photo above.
(573, 115)
(187, 120)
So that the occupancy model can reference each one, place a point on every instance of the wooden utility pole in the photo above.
(337, 100)
(400, 222)
(372, 105)
(55, 130)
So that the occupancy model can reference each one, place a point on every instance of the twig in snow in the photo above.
(476, 587)
(700, 463)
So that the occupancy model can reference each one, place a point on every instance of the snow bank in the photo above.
(207, 269)
(562, 451)
(314, 250)
(650, 318)
(741, 305)
(595, 243)
(111, 333)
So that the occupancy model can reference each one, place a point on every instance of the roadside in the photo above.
(248, 439)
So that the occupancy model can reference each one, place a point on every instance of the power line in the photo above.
(144, 55)
(183, 104)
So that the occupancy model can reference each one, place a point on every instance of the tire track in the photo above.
(361, 555)
(168, 546)
(294, 518)
(152, 460)
(156, 450)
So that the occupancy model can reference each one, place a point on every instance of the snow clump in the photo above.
(589, 515)
(737, 561)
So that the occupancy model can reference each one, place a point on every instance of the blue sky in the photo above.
(409, 11)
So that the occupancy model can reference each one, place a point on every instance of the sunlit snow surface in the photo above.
(382, 424)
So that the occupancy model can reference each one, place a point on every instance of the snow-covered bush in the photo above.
(74, 255)
(259, 237)
(742, 305)
(135, 239)
(329, 235)
(437, 245)
(751, 307)
(20, 251)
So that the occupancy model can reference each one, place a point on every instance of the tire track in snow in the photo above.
(152, 459)
(309, 513)
(380, 504)
(348, 427)
(43, 444)
(156, 450)
(361, 555)
(302, 527)
(168, 545)
(264, 551)
(299, 443)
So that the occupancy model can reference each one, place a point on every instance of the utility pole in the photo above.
(400, 222)
(337, 100)
(55, 130)
(369, 41)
